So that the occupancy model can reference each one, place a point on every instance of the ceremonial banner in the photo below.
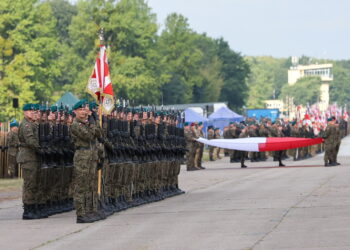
(262, 144)
(100, 85)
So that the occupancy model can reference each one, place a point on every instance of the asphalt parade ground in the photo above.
(302, 206)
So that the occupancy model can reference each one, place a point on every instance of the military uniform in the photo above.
(243, 154)
(191, 149)
(85, 170)
(211, 136)
(29, 160)
(199, 149)
(331, 140)
(13, 145)
(217, 136)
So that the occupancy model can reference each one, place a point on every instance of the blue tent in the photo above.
(223, 116)
(193, 116)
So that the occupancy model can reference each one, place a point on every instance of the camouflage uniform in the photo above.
(211, 148)
(331, 139)
(191, 149)
(200, 149)
(85, 167)
(13, 144)
(28, 158)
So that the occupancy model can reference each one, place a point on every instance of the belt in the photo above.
(83, 148)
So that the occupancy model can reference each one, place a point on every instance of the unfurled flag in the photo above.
(100, 85)
(262, 144)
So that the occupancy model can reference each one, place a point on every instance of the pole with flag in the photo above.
(101, 89)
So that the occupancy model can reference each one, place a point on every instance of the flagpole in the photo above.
(101, 33)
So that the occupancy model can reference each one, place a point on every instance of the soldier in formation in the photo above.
(137, 151)
(279, 128)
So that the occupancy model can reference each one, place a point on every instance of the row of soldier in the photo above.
(139, 153)
(266, 128)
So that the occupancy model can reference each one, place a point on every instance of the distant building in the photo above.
(324, 71)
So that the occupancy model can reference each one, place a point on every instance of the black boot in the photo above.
(280, 163)
(105, 209)
(30, 213)
(86, 219)
(41, 208)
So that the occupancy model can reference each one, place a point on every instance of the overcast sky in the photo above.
(280, 28)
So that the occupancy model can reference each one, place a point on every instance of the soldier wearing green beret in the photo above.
(13, 145)
(28, 156)
(331, 140)
(84, 137)
(200, 148)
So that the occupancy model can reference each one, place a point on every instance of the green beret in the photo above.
(14, 123)
(186, 123)
(231, 123)
(200, 123)
(80, 104)
(36, 106)
(53, 108)
(216, 129)
(92, 105)
(28, 106)
(293, 123)
(330, 119)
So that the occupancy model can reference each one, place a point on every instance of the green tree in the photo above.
(28, 72)
(340, 86)
(209, 87)
(305, 91)
(268, 76)
(234, 71)
(180, 61)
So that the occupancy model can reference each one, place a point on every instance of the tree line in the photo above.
(269, 80)
(48, 47)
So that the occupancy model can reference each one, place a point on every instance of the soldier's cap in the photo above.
(42, 108)
(331, 119)
(200, 123)
(293, 123)
(80, 104)
(210, 127)
(216, 129)
(193, 124)
(14, 123)
(36, 106)
(28, 106)
(231, 123)
(186, 123)
(92, 105)
(53, 108)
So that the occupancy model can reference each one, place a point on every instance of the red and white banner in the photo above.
(100, 85)
(262, 144)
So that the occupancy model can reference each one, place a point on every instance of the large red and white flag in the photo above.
(100, 85)
(262, 144)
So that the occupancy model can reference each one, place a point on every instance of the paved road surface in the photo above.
(303, 206)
